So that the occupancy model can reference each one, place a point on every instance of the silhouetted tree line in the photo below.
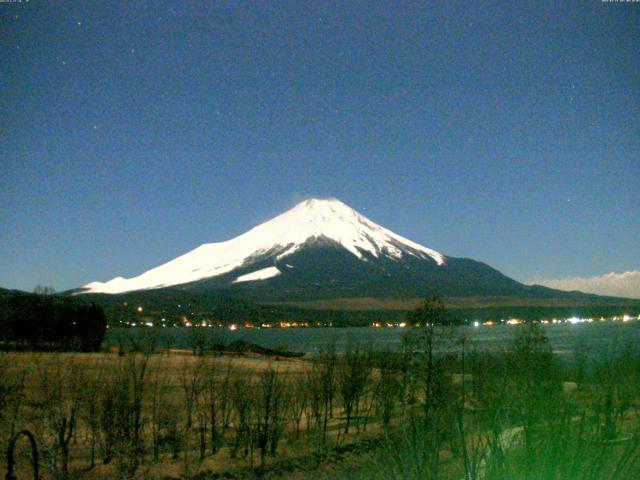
(45, 322)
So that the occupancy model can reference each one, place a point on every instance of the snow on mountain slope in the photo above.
(258, 275)
(283, 235)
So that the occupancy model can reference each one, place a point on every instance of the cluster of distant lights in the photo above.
(489, 323)
(185, 322)
(388, 325)
(555, 321)
(235, 326)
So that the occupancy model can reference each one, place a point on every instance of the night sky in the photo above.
(132, 132)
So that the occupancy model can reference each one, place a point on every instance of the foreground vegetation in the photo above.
(417, 412)
(518, 414)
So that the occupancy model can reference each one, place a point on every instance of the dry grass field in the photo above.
(170, 414)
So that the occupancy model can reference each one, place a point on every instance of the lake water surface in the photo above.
(594, 338)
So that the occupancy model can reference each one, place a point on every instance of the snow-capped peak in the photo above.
(283, 235)
(334, 220)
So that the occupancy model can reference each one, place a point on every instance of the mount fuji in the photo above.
(320, 249)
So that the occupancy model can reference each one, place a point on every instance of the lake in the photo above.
(594, 338)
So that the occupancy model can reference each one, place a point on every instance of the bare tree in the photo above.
(243, 404)
(122, 413)
(191, 379)
(62, 389)
(269, 413)
(216, 393)
(90, 414)
(297, 401)
(352, 377)
(158, 405)
(387, 388)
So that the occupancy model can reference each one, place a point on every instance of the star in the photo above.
(79, 24)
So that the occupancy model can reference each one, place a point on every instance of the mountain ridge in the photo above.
(278, 238)
(323, 250)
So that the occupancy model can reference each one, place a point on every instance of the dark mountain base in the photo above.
(180, 307)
